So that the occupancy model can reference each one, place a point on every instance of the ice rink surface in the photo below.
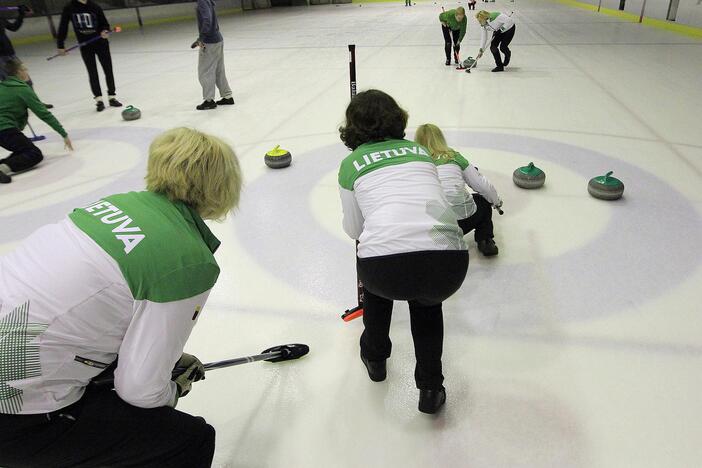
(580, 345)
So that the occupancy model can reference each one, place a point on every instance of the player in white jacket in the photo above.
(122, 280)
(474, 211)
(410, 246)
(502, 28)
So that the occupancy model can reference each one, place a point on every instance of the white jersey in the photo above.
(454, 174)
(393, 202)
(68, 308)
(498, 22)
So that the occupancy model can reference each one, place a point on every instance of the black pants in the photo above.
(471, 6)
(450, 34)
(101, 430)
(24, 153)
(101, 49)
(500, 42)
(481, 220)
(425, 280)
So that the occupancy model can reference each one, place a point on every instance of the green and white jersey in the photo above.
(127, 275)
(393, 203)
(455, 173)
(497, 22)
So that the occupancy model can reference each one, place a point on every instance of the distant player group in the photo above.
(500, 26)
(92, 30)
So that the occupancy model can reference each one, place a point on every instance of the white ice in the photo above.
(580, 345)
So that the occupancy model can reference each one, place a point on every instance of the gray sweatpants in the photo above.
(210, 70)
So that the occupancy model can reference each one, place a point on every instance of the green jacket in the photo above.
(449, 17)
(16, 97)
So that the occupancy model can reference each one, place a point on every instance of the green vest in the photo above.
(163, 248)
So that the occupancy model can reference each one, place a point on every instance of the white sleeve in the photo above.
(353, 218)
(483, 38)
(151, 347)
(480, 184)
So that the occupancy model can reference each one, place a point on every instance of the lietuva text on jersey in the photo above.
(378, 156)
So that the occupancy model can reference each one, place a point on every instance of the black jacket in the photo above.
(6, 48)
(88, 21)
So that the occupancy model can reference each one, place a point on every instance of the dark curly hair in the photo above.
(372, 116)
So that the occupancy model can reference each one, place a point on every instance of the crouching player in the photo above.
(123, 279)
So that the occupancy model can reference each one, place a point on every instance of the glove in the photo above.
(194, 371)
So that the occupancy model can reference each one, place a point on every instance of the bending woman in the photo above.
(410, 246)
(502, 28)
(454, 26)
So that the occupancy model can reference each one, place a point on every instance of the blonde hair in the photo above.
(482, 15)
(198, 169)
(461, 10)
(431, 137)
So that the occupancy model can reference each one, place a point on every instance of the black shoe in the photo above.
(376, 369)
(498, 69)
(431, 400)
(487, 247)
(48, 106)
(5, 178)
(114, 103)
(506, 60)
(206, 105)
(448, 62)
(100, 106)
(226, 101)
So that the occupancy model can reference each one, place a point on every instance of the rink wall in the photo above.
(38, 30)
(688, 17)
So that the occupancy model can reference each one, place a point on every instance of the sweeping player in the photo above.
(124, 278)
(453, 26)
(473, 211)
(502, 28)
(89, 22)
(410, 246)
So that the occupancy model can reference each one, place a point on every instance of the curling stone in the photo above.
(606, 187)
(529, 177)
(131, 113)
(278, 158)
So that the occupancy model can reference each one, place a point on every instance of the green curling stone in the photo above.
(606, 187)
(131, 113)
(528, 177)
(278, 158)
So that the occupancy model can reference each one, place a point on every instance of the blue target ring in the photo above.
(622, 266)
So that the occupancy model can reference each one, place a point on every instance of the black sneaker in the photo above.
(206, 105)
(487, 247)
(114, 103)
(5, 178)
(100, 106)
(430, 401)
(48, 106)
(498, 69)
(226, 101)
(448, 62)
(376, 369)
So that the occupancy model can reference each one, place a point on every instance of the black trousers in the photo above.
(101, 50)
(425, 280)
(101, 430)
(481, 220)
(449, 35)
(24, 154)
(500, 42)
